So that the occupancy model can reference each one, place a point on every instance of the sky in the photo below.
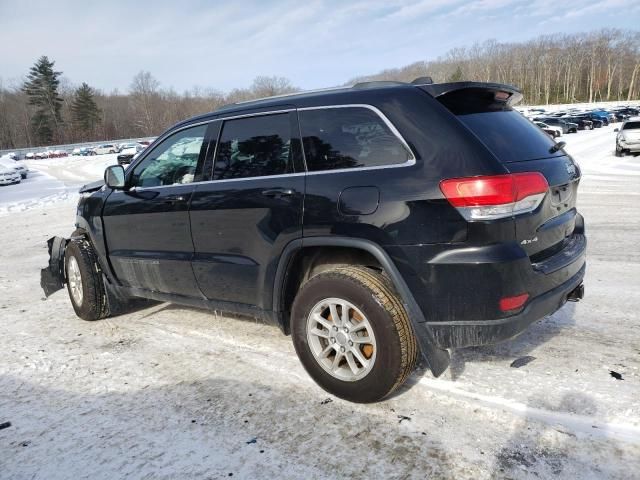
(314, 43)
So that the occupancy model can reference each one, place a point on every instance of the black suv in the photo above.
(567, 127)
(379, 224)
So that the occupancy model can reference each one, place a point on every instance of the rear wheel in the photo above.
(352, 334)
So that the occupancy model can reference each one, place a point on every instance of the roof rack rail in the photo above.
(378, 83)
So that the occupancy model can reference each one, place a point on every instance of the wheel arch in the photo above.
(288, 274)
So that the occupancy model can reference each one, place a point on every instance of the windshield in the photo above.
(631, 126)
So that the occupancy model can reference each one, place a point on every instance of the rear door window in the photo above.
(348, 137)
(254, 147)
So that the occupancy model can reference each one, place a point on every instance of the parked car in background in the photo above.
(567, 127)
(129, 152)
(17, 165)
(9, 175)
(76, 151)
(30, 156)
(601, 115)
(595, 122)
(583, 123)
(42, 155)
(105, 149)
(87, 151)
(628, 138)
(553, 131)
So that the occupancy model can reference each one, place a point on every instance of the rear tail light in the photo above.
(513, 303)
(498, 196)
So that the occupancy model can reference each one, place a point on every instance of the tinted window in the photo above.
(173, 161)
(631, 125)
(254, 147)
(509, 135)
(348, 137)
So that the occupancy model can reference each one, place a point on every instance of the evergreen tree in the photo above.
(42, 89)
(85, 112)
(456, 76)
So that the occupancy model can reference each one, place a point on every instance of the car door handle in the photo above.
(278, 192)
(173, 199)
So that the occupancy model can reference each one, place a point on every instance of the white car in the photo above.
(20, 167)
(628, 138)
(545, 126)
(30, 156)
(104, 149)
(8, 175)
(76, 151)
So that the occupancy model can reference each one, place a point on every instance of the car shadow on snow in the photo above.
(128, 425)
(535, 335)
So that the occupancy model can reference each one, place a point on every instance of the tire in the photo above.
(81, 262)
(390, 358)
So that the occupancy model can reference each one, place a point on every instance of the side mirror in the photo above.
(114, 176)
(616, 130)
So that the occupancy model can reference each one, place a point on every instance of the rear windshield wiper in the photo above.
(557, 146)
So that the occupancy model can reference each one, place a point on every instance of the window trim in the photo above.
(410, 161)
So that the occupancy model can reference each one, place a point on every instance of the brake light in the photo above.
(513, 303)
(497, 196)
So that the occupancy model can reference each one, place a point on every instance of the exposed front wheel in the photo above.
(352, 334)
(84, 281)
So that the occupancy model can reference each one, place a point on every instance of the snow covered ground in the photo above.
(173, 392)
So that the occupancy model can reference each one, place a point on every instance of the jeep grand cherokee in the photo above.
(378, 224)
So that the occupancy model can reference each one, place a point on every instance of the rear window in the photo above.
(348, 137)
(631, 125)
(509, 135)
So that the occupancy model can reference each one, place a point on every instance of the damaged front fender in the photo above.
(53, 278)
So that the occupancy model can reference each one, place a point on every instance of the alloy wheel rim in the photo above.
(75, 280)
(341, 339)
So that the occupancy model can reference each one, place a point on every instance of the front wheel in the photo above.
(352, 334)
(84, 281)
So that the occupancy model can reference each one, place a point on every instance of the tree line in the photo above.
(46, 109)
(584, 67)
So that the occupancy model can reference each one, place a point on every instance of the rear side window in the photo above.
(254, 147)
(348, 137)
(509, 135)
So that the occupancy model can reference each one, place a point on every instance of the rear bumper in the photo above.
(459, 334)
(459, 288)
(630, 147)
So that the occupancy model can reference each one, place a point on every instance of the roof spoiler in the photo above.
(502, 92)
